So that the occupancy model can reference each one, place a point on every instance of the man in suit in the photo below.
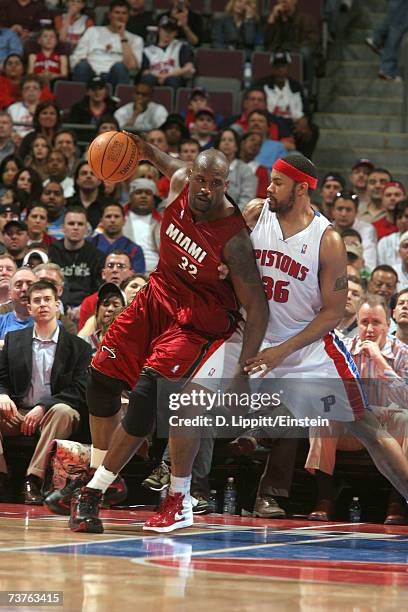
(43, 373)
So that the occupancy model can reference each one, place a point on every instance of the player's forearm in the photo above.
(254, 330)
(325, 322)
(166, 164)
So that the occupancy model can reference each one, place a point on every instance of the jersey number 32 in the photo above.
(275, 291)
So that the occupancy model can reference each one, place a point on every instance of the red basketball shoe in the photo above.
(174, 513)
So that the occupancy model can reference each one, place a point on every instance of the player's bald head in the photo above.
(212, 159)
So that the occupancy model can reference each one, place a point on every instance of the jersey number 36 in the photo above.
(275, 291)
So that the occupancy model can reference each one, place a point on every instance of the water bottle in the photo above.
(355, 511)
(247, 75)
(213, 502)
(230, 497)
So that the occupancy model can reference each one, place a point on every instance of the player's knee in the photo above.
(140, 417)
(103, 394)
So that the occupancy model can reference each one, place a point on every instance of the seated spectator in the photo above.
(388, 246)
(23, 16)
(37, 222)
(143, 114)
(355, 253)
(57, 167)
(88, 193)
(170, 62)
(53, 198)
(332, 183)
(359, 178)
(22, 113)
(10, 43)
(254, 98)
(236, 28)
(401, 268)
(175, 131)
(110, 302)
(111, 237)
(241, 180)
(199, 98)
(80, 261)
(8, 212)
(66, 141)
(249, 148)
(132, 285)
(7, 146)
(271, 150)
(344, 215)
(373, 209)
(382, 362)
(7, 270)
(41, 391)
(109, 51)
(400, 316)
(139, 19)
(204, 128)
(27, 186)
(47, 63)
(35, 255)
(189, 149)
(285, 98)
(46, 122)
(288, 29)
(189, 24)
(11, 79)
(71, 25)
(107, 123)
(383, 282)
(116, 268)
(143, 221)
(38, 156)
(393, 193)
(347, 327)
(15, 238)
(95, 105)
(52, 272)
(18, 317)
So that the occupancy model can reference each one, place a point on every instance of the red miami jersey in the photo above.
(187, 279)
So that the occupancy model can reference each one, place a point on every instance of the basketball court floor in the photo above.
(222, 563)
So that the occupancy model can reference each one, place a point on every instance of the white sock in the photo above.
(102, 479)
(180, 484)
(97, 456)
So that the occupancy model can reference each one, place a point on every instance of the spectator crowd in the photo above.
(74, 250)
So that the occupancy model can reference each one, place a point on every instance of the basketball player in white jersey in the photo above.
(302, 262)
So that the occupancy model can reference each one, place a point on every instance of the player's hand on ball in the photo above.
(266, 360)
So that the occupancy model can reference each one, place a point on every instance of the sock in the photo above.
(97, 457)
(102, 479)
(180, 484)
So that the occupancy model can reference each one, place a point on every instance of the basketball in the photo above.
(113, 156)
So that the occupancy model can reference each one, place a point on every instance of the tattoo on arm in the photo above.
(164, 163)
(341, 283)
(240, 259)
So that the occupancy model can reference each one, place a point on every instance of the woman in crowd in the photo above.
(8, 170)
(132, 284)
(71, 25)
(46, 122)
(237, 27)
(27, 184)
(38, 157)
(242, 183)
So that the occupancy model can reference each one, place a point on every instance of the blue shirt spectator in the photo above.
(134, 251)
(9, 43)
(10, 322)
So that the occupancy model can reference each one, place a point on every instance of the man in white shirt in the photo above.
(108, 50)
(143, 221)
(401, 267)
(143, 114)
(388, 247)
(7, 146)
(23, 112)
(344, 213)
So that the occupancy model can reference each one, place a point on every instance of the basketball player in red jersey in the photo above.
(170, 325)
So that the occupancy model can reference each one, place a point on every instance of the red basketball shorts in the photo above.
(145, 335)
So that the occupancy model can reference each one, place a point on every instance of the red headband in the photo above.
(297, 175)
(395, 184)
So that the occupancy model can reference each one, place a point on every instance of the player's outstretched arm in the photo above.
(166, 164)
(239, 257)
(333, 288)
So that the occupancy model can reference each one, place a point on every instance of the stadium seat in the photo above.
(161, 95)
(68, 93)
(221, 101)
(220, 63)
(261, 66)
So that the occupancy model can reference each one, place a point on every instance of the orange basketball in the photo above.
(113, 156)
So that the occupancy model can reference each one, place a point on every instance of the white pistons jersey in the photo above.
(289, 270)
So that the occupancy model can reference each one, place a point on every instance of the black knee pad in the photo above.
(103, 394)
(141, 414)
